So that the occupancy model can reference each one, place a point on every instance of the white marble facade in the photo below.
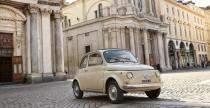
(36, 29)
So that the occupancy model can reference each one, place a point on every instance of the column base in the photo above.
(60, 76)
(43, 78)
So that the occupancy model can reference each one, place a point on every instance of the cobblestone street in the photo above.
(179, 89)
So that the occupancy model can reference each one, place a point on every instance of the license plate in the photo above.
(146, 81)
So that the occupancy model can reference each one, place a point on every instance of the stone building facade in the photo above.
(187, 31)
(31, 41)
(158, 32)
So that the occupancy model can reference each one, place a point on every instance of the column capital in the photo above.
(46, 11)
(144, 29)
(33, 8)
(57, 14)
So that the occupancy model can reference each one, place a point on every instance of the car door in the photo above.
(95, 72)
(82, 76)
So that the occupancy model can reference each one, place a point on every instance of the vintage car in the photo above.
(115, 72)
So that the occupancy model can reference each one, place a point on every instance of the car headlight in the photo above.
(157, 73)
(129, 75)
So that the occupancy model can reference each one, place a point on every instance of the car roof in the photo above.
(106, 49)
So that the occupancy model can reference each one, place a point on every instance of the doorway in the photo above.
(5, 69)
(6, 53)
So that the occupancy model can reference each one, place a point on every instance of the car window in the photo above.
(95, 59)
(84, 62)
(114, 56)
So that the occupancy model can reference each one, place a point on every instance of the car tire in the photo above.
(114, 92)
(77, 92)
(153, 94)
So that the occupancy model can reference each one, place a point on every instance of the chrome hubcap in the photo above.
(112, 92)
(76, 89)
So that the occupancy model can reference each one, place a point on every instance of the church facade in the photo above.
(134, 25)
(167, 33)
(31, 41)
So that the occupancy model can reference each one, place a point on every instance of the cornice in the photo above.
(184, 7)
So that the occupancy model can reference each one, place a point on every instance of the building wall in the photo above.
(83, 10)
(123, 25)
(186, 24)
(36, 27)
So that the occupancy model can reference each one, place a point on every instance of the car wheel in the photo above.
(153, 94)
(77, 92)
(115, 93)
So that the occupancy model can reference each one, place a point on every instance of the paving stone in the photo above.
(179, 90)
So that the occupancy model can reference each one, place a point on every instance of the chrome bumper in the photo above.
(142, 86)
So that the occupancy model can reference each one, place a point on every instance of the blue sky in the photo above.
(198, 2)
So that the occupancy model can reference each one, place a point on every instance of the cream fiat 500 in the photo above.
(115, 72)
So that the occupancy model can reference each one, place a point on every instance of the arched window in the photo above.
(140, 5)
(100, 10)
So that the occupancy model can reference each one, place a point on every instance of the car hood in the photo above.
(128, 67)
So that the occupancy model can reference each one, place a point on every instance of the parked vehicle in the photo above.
(115, 72)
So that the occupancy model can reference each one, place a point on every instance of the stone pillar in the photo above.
(138, 44)
(146, 47)
(123, 37)
(132, 42)
(46, 43)
(119, 42)
(34, 41)
(114, 38)
(59, 56)
(161, 51)
(106, 38)
(168, 65)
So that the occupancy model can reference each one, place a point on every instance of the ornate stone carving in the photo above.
(34, 8)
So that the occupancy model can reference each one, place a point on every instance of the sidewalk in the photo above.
(195, 69)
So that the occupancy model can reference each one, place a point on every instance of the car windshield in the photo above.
(114, 56)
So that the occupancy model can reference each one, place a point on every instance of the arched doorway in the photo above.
(192, 55)
(182, 56)
(12, 32)
(172, 55)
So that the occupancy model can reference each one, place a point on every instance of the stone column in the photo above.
(132, 42)
(119, 44)
(161, 51)
(168, 65)
(106, 38)
(138, 44)
(114, 37)
(146, 47)
(59, 56)
(46, 42)
(34, 41)
(122, 30)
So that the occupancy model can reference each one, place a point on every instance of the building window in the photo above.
(167, 9)
(183, 15)
(173, 11)
(100, 10)
(178, 12)
(180, 30)
(170, 29)
(87, 49)
(96, 14)
(69, 22)
(140, 5)
(175, 29)
(65, 21)
(87, 34)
